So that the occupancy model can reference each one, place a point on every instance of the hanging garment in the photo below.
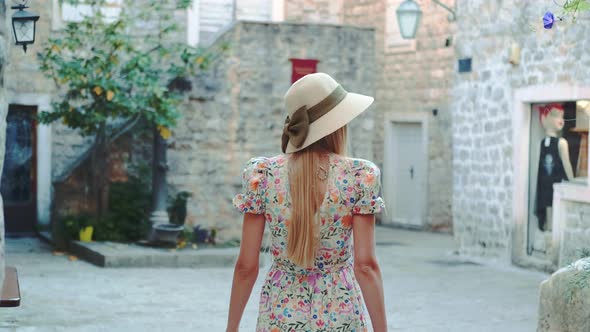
(550, 171)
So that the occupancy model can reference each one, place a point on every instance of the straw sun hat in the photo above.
(318, 106)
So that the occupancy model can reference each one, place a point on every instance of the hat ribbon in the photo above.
(296, 126)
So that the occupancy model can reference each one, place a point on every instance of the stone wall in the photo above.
(25, 78)
(214, 15)
(576, 232)
(315, 11)
(254, 10)
(4, 47)
(420, 81)
(482, 108)
(564, 299)
(412, 79)
(236, 110)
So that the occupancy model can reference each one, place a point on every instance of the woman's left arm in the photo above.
(246, 270)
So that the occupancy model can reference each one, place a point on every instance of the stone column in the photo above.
(3, 110)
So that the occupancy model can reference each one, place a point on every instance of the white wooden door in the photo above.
(408, 173)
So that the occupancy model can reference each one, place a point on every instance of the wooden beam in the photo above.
(10, 292)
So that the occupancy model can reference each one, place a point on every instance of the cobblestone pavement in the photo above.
(427, 288)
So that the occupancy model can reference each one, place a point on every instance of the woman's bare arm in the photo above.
(246, 270)
(366, 269)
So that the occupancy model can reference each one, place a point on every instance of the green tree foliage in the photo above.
(575, 6)
(570, 9)
(113, 72)
(107, 72)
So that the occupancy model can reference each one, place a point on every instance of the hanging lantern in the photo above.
(24, 24)
(408, 18)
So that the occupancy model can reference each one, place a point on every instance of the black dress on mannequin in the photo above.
(550, 171)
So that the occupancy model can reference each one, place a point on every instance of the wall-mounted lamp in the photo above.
(23, 24)
(409, 14)
(514, 56)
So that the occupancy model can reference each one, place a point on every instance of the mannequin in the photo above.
(554, 163)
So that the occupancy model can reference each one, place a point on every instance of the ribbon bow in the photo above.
(296, 127)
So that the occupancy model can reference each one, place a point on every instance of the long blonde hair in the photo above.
(306, 196)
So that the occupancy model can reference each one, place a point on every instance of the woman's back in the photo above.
(325, 296)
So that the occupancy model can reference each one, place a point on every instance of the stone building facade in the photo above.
(410, 80)
(576, 231)
(414, 78)
(233, 113)
(27, 87)
(516, 65)
(472, 130)
(58, 149)
(236, 110)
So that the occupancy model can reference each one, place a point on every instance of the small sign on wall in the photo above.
(464, 65)
(302, 67)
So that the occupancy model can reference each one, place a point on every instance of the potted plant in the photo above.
(203, 235)
(71, 228)
(86, 233)
(177, 208)
(78, 228)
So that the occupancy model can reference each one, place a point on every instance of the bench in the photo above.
(10, 296)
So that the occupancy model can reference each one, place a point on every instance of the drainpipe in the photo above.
(159, 186)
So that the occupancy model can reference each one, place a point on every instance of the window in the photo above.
(66, 12)
(206, 18)
(254, 10)
(394, 43)
(558, 152)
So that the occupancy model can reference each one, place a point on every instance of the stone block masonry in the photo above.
(235, 110)
(482, 111)
(408, 80)
(576, 233)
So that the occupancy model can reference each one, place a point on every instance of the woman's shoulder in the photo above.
(267, 163)
(357, 165)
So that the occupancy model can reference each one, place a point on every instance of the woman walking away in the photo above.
(319, 206)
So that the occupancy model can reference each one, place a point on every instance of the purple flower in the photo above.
(277, 275)
(548, 20)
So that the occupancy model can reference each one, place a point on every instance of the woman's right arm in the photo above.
(366, 269)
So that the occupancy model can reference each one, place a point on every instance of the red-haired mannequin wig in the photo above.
(545, 110)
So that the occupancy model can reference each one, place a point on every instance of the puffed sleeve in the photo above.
(367, 186)
(254, 182)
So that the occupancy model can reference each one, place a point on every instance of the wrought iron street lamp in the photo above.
(409, 14)
(24, 24)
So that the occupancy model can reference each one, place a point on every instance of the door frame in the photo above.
(523, 98)
(389, 163)
(43, 147)
(14, 209)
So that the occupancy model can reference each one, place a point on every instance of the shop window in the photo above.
(394, 43)
(558, 153)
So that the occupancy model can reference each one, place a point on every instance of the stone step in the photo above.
(110, 254)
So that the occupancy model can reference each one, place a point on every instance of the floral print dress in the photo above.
(326, 297)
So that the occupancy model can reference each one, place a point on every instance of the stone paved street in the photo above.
(427, 289)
